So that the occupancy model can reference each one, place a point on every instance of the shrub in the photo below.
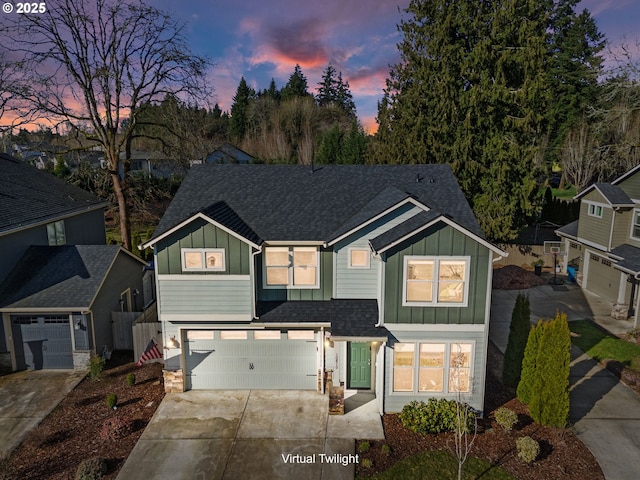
(131, 379)
(96, 365)
(518, 335)
(435, 416)
(115, 428)
(112, 400)
(549, 403)
(506, 418)
(528, 449)
(386, 449)
(367, 463)
(364, 447)
(528, 372)
(91, 469)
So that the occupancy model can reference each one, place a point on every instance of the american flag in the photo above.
(152, 351)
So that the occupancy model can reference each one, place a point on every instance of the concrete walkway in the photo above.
(605, 413)
(26, 398)
(252, 434)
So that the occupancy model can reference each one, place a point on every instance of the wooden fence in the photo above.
(146, 327)
(121, 323)
(521, 255)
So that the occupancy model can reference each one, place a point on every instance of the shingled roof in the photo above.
(301, 203)
(58, 277)
(30, 196)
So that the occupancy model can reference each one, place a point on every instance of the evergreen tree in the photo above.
(354, 145)
(332, 90)
(330, 148)
(518, 336)
(529, 362)
(549, 403)
(239, 110)
(471, 90)
(296, 86)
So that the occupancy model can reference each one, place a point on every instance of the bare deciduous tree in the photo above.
(93, 64)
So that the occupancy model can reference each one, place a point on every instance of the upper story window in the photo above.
(55, 233)
(359, 258)
(595, 210)
(203, 260)
(293, 267)
(635, 225)
(435, 281)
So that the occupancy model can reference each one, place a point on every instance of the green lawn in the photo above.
(442, 466)
(600, 345)
(567, 194)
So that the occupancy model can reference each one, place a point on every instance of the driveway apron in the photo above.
(254, 434)
(604, 412)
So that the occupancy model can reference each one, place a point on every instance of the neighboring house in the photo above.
(154, 164)
(227, 153)
(41, 214)
(604, 243)
(269, 275)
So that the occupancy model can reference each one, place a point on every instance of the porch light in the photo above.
(172, 343)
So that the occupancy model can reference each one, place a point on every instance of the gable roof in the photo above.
(612, 193)
(61, 277)
(629, 258)
(298, 203)
(29, 196)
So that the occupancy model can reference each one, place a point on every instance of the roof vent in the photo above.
(418, 178)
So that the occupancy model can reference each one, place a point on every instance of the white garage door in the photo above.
(242, 360)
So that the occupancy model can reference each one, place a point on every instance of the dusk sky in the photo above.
(261, 40)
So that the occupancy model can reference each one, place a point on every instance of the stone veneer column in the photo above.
(173, 381)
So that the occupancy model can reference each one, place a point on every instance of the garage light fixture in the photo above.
(172, 343)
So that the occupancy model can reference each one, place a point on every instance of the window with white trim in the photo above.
(595, 210)
(359, 258)
(203, 259)
(55, 233)
(291, 267)
(443, 367)
(635, 225)
(435, 281)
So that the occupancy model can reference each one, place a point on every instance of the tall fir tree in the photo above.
(518, 336)
(239, 110)
(296, 86)
(471, 90)
(529, 363)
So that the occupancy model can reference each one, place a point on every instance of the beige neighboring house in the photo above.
(603, 245)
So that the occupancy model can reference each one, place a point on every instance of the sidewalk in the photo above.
(605, 413)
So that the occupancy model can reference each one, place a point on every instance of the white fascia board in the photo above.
(204, 278)
(202, 216)
(69, 310)
(452, 224)
(624, 176)
(592, 244)
(435, 327)
(377, 217)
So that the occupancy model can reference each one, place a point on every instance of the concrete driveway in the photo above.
(253, 434)
(604, 412)
(26, 398)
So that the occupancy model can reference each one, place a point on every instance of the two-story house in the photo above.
(59, 281)
(604, 243)
(269, 275)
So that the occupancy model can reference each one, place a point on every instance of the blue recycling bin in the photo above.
(571, 274)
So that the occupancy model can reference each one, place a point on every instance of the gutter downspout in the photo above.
(322, 353)
(252, 271)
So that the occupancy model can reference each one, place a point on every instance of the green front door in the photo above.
(359, 365)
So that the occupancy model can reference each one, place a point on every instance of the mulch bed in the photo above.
(512, 277)
(563, 455)
(71, 433)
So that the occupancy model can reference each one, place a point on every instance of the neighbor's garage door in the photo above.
(222, 360)
(42, 342)
(602, 278)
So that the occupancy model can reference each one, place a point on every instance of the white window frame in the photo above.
(56, 233)
(203, 252)
(358, 267)
(435, 282)
(636, 213)
(446, 391)
(594, 209)
(290, 267)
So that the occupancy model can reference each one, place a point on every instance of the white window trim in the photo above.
(436, 267)
(290, 285)
(447, 356)
(636, 211)
(203, 252)
(358, 267)
(594, 206)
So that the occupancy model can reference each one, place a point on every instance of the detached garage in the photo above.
(251, 359)
(56, 304)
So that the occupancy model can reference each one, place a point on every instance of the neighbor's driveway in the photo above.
(604, 412)
(233, 434)
(26, 398)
